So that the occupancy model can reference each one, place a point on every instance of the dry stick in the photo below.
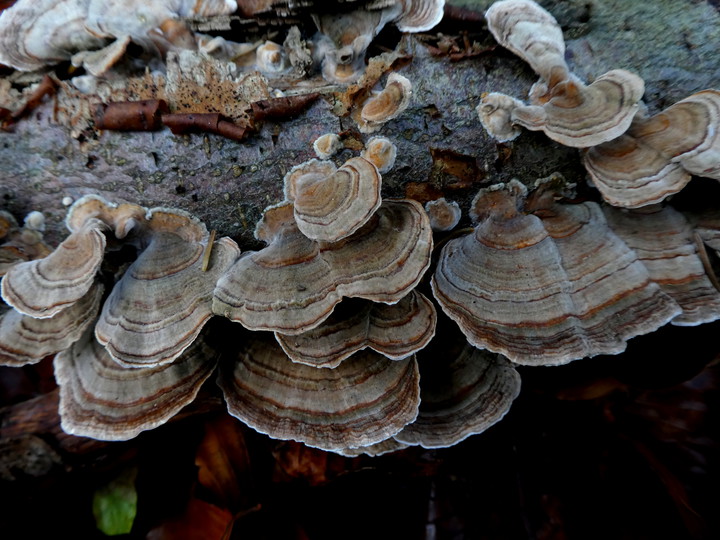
(182, 123)
(283, 107)
(130, 115)
(208, 251)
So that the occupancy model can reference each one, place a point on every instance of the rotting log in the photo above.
(227, 183)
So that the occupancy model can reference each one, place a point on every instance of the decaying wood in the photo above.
(227, 183)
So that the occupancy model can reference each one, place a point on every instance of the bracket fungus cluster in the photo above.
(562, 106)
(658, 155)
(632, 159)
(546, 287)
(346, 36)
(36, 33)
(122, 301)
(96, 34)
(340, 349)
(155, 309)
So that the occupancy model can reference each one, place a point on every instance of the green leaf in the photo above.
(115, 504)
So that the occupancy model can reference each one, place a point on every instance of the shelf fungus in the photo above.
(327, 145)
(495, 113)
(561, 105)
(658, 155)
(330, 204)
(664, 242)
(546, 288)
(395, 331)
(160, 304)
(27, 340)
(34, 33)
(444, 215)
(345, 37)
(381, 152)
(293, 284)
(21, 244)
(96, 33)
(460, 398)
(103, 400)
(420, 15)
(44, 287)
(385, 105)
(533, 34)
(366, 399)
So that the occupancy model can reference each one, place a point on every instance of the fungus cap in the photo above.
(396, 331)
(293, 284)
(363, 401)
(26, 340)
(630, 173)
(420, 15)
(687, 132)
(103, 400)
(460, 398)
(546, 290)
(533, 34)
(44, 287)
(664, 242)
(162, 301)
(579, 115)
(444, 215)
(327, 145)
(386, 105)
(381, 152)
(495, 112)
(332, 204)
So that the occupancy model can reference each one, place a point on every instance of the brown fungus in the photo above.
(395, 331)
(363, 401)
(293, 284)
(562, 106)
(385, 105)
(103, 400)
(419, 15)
(26, 340)
(546, 290)
(631, 174)
(381, 152)
(35, 33)
(531, 33)
(44, 287)
(657, 155)
(579, 115)
(327, 145)
(331, 204)
(462, 397)
(664, 242)
(161, 302)
(444, 215)
(495, 113)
